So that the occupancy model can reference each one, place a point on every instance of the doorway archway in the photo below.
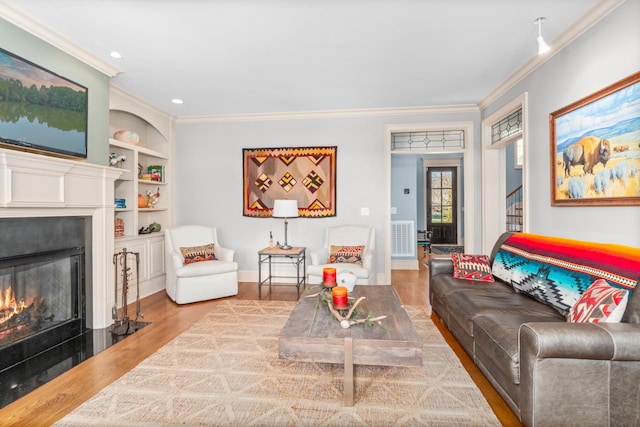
(494, 212)
(467, 151)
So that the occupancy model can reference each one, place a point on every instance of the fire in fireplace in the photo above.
(38, 292)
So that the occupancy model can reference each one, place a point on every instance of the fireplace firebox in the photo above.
(40, 303)
(42, 284)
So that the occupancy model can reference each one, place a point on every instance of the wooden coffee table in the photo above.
(312, 334)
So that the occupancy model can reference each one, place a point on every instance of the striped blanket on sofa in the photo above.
(556, 271)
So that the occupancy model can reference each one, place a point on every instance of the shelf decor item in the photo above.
(155, 172)
(114, 159)
(119, 227)
(306, 174)
(152, 198)
(127, 136)
(142, 201)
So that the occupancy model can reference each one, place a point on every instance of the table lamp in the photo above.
(285, 209)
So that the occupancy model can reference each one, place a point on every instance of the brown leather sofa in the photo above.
(550, 372)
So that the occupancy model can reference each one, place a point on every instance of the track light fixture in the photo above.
(543, 47)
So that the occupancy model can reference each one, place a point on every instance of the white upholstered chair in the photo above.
(201, 280)
(346, 235)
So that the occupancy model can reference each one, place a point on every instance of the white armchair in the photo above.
(346, 235)
(202, 280)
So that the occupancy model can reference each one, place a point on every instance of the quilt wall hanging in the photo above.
(306, 174)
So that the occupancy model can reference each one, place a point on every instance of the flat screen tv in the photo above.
(41, 111)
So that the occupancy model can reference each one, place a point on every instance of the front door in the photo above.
(442, 199)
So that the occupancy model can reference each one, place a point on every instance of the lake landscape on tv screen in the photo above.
(41, 110)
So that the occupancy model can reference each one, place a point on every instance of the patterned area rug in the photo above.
(225, 371)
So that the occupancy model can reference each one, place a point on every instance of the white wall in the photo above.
(209, 166)
(403, 176)
(606, 53)
(209, 176)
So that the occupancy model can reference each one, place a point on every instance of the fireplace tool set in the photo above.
(123, 325)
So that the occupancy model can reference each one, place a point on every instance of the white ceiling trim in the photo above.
(306, 115)
(38, 29)
(588, 20)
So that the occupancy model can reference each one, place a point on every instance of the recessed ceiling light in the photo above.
(115, 54)
(177, 101)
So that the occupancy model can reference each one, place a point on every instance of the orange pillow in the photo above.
(193, 254)
(347, 254)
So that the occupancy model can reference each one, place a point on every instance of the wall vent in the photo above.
(403, 239)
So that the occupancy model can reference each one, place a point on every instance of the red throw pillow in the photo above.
(601, 302)
(471, 267)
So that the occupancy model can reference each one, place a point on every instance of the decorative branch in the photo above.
(346, 321)
(355, 304)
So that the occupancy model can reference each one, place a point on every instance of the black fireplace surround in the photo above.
(43, 292)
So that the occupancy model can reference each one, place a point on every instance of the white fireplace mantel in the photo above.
(33, 185)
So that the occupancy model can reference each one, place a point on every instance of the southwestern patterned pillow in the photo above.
(193, 254)
(471, 267)
(601, 302)
(346, 254)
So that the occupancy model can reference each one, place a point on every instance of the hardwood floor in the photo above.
(60, 396)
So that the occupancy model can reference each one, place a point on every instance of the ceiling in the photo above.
(244, 57)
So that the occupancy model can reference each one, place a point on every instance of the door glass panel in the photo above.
(436, 180)
(436, 197)
(436, 214)
(447, 214)
(447, 197)
(446, 180)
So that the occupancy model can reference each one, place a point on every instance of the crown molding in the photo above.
(38, 29)
(311, 115)
(139, 102)
(588, 20)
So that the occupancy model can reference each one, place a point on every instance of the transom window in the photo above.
(427, 140)
(507, 127)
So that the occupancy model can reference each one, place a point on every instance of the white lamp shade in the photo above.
(285, 209)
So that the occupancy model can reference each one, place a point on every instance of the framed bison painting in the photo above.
(595, 148)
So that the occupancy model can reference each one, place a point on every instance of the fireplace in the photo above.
(42, 284)
(56, 219)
